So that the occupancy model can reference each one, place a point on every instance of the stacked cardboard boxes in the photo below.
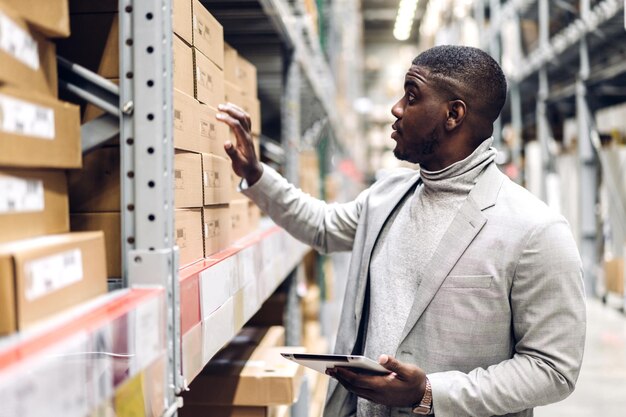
(205, 220)
(241, 89)
(43, 268)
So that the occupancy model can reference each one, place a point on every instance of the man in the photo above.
(465, 286)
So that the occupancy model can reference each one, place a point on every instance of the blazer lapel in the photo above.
(383, 211)
(468, 221)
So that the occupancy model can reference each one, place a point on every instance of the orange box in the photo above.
(42, 276)
(32, 203)
(208, 34)
(38, 131)
(28, 59)
(183, 66)
(50, 17)
(216, 179)
(209, 80)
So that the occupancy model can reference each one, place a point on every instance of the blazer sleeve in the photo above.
(325, 227)
(549, 320)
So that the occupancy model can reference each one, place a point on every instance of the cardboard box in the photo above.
(182, 66)
(239, 219)
(232, 94)
(182, 20)
(96, 188)
(94, 43)
(257, 145)
(187, 180)
(38, 131)
(50, 17)
(187, 132)
(230, 63)
(208, 34)
(234, 190)
(111, 225)
(28, 59)
(194, 410)
(249, 376)
(311, 303)
(188, 235)
(246, 77)
(209, 80)
(217, 330)
(192, 352)
(254, 216)
(32, 203)
(42, 276)
(216, 230)
(213, 133)
(252, 106)
(614, 275)
(216, 179)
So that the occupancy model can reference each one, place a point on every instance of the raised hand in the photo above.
(244, 160)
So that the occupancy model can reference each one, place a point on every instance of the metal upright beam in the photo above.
(543, 124)
(588, 167)
(516, 102)
(151, 257)
(291, 126)
(496, 53)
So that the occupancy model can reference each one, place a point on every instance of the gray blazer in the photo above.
(498, 323)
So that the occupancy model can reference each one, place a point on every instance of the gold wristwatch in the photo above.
(426, 404)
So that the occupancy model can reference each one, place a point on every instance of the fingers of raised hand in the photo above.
(237, 113)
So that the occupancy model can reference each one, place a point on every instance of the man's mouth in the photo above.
(396, 131)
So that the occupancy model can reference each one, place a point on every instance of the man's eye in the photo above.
(410, 97)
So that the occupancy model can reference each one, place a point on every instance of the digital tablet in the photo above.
(320, 363)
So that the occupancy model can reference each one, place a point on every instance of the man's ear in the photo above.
(456, 114)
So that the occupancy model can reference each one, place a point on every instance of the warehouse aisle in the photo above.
(602, 382)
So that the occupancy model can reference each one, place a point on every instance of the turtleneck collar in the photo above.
(462, 175)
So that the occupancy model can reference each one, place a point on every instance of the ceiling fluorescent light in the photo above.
(404, 19)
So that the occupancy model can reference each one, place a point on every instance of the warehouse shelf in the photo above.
(220, 294)
(202, 306)
(576, 67)
(600, 16)
(88, 358)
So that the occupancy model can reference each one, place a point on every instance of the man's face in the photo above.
(421, 114)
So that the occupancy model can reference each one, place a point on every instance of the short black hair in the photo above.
(470, 72)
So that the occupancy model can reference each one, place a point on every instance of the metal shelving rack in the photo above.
(564, 74)
(140, 112)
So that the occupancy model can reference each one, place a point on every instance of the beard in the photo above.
(427, 147)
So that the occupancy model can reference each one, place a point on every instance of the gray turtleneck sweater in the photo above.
(404, 248)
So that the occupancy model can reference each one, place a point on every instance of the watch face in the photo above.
(421, 410)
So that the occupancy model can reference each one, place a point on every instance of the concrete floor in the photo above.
(601, 387)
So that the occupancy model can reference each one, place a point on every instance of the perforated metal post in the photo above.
(151, 257)
(543, 125)
(291, 127)
(588, 168)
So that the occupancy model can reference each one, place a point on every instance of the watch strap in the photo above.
(426, 403)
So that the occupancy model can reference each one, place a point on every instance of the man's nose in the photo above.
(396, 109)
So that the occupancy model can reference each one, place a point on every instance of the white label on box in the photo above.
(45, 275)
(17, 42)
(217, 330)
(148, 340)
(216, 286)
(23, 118)
(21, 195)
